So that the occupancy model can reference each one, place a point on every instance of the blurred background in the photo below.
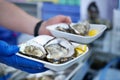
(103, 63)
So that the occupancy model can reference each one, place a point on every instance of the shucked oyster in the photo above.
(35, 50)
(62, 29)
(56, 50)
(81, 28)
(59, 48)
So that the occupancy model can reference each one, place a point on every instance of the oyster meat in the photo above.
(56, 50)
(35, 50)
(62, 29)
(59, 48)
(67, 29)
(79, 28)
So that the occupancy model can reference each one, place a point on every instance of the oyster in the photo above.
(34, 50)
(81, 28)
(58, 48)
(68, 29)
(62, 29)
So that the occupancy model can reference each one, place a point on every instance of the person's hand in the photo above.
(51, 21)
(8, 57)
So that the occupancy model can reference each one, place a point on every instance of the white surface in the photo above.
(115, 44)
(77, 38)
(56, 67)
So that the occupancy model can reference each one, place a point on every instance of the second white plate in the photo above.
(74, 37)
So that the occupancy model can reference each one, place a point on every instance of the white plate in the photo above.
(56, 67)
(77, 38)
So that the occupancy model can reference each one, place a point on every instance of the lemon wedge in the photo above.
(92, 32)
(82, 47)
(80, 50)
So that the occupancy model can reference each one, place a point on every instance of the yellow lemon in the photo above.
(92, 32)
(78, 52)
(80, 49)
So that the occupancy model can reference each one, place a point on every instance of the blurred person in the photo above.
(94, 18)
(94, 15)
(16, 19)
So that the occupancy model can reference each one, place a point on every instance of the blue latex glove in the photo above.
(8, 57)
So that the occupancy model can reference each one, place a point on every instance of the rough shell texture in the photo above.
(35, 49)
(81, 28)
(59, 48)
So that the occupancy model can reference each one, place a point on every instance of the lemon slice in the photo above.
(80, 50)
(82, 47)
(92, 32)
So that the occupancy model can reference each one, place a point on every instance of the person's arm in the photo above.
(16, 19)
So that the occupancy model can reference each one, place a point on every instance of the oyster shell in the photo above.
(34, 50)
(81, 28)
(59, 48)
(62, 29)
(56, 50)
(67, 29)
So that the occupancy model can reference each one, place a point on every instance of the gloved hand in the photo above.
(8, 57)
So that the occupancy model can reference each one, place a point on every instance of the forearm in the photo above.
(16, 19)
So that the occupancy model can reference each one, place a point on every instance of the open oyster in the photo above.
(56, 50)
(59, 49)
(81, 28)
(34, 50)
(67, 29)
(62, 29)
